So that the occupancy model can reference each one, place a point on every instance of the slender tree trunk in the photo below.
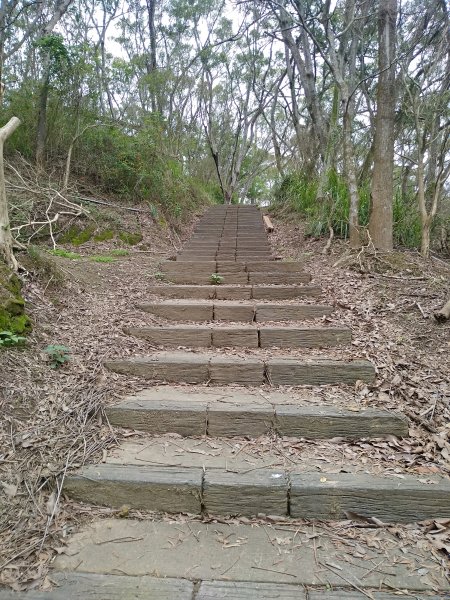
(330, 151)
(381, 225)
(6, 240)
(352, 184)
(41, 134)
(151, 62)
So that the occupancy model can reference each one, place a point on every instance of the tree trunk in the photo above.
(352, 184)
(151, 62)
(6, 241)
(330, 151)
(380, 224)
(41, 134)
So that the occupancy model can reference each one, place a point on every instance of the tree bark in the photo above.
(41, 134)
(381, 219)
(6, 240)
(352, 183)
(60, 10)
(151, 62)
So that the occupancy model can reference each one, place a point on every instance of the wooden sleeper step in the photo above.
(230, 292)
(275, 491)
(171, 410)
(175, 310)
(245, 337)
(187, 367)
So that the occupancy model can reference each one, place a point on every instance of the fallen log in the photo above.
(268, 224)
(443, 314)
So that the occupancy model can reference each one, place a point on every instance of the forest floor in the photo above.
(54, 421)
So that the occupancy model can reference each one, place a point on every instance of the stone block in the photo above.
(290, 312)
(233, 369)
(223, 337)
(173, 337)
(181, 367)
(180, 311)
(224, 311)
(160, 416)
(251, 493)
(390, 499)
(303, 337)
(287, 371)
(168, 489)
(230, 420)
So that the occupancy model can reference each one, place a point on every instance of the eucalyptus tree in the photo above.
(237, 87)
(381, 217)
(425, 115)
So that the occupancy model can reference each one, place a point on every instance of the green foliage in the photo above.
(57, 355)
(216, 279)
(12, 305)
(104, 235)
(159, 276)
(297, 195)
(9, 338)
(77, 235)
(53, 45)
(130, 238)
(65, 253)
(119, 252)
(101, 259)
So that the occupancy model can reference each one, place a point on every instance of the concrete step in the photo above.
(254, 491)
(225, 413)
(79, 586)
(254, 561)
(186, 276)
(229, 292)
(208, 267)
(188, 367)
(93, 586)
(194, 336)
(218, 310)
(278, 278)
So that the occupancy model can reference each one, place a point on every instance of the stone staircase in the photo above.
(241, 384)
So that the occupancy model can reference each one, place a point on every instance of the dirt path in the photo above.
(54, 420)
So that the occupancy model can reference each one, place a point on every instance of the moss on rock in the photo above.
(130, 238)
(77, 235)
(12, 305)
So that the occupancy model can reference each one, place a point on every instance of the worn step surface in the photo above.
(221, 412)
(79, 586)
(210, 266)
(204, 310)
(290, 557)
(271, 490)
(251, 336)
(95, 586)
(235, 292)
(186, 367)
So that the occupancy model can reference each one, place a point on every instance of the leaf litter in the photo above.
(54, 420)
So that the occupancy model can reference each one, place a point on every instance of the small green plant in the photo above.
(101, 259)
(216, 279)
(159, 276)
(77, 236)
(104, 235)
(119, 252)
(8, 338)
(130, 238)
(57, 355)
(65, 253)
